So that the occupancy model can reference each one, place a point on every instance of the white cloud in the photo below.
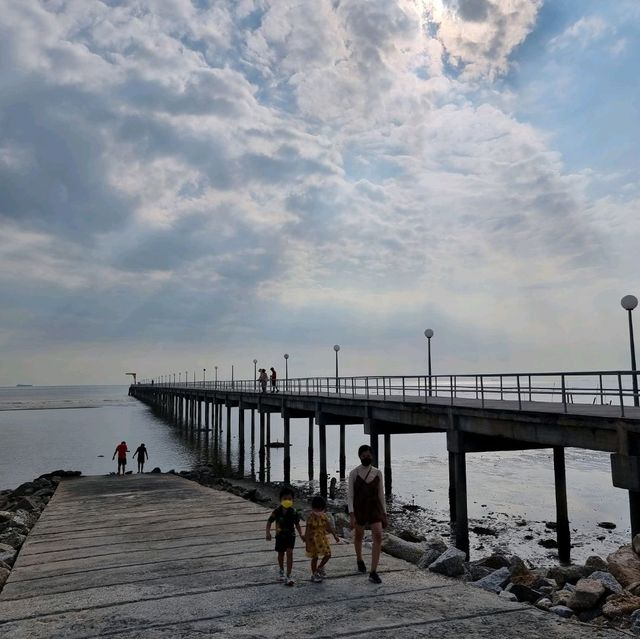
(582, 33)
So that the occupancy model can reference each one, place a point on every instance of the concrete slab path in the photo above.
(157, 556)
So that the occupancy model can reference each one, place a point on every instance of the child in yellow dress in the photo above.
(318, 524)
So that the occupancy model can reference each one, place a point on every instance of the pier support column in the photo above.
(343, 455)
(310, 450)
(562, 513)
(241, 439)
(323, 459)
(387, 465)
(261, 450)
(253, 429)
(228, 435)
(206, 414)
(452, 488)
(268, 429)
(456, 447)
(199, 412)
(374, 442)
(287, 452)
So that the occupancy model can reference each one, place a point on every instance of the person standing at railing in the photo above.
(367, 508)
(262, 379)
(274, 380)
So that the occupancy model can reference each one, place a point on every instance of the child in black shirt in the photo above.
(287, 521)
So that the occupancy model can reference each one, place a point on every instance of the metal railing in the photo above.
(614, 388)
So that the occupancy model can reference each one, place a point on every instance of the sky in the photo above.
(195, 183)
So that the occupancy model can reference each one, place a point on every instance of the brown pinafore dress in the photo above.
(366, 503)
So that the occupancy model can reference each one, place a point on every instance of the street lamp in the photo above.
(186, 378)
(255, 373)
(174, 379)
(629, 302)
(232, 377)
(336, 348)
(286, 372)
(204, 376)
(428, 333)
(216, 369)
(179, 378)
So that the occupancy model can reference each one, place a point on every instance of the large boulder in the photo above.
(624, 565)
(609, 582)
(28, 488)
(494, 561)
(525, 593)
(620, 604)
(450, 563)
(7, 554)
(494, 582)
(568, 574)
(635, 544)
(561, 597)
(5, 516)
(30, 504)
(562, 611)
(587, 594)
(433, 546)
(12, 538)
(595, 563)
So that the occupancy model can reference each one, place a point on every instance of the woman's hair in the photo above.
(364, 448)
(286, 491)
(318, 503)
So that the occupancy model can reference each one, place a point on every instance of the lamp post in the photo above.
(255, 373)
(428, 333)
(629, 302)
(186, 378)
(216, 370)
(179, 378)
(174, 379)
(204, 376)
(286, 372)
(232, 377)
(336, 348)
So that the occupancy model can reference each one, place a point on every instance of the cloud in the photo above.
(582, 33)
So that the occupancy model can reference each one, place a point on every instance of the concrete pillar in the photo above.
(268, 429)
(562, 513)
(375, 446)
(310, 449)
(253, 429)
(387, 465)
(228, 435)
(261, 450)
(323, 459)
(206, 414)
(343, 455)
(199, 412)
(241, 440)
(452, 488)
(462, 520)
(287, 451)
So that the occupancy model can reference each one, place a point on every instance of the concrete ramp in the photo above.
(155, 556)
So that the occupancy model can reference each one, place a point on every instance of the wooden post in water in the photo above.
(323, 459)
(261, 450)
(241, 439)
(452, 488)
(343, 455)
(310, 449)
(387, 465)
(206, 414)
(462, 520)
(253, 429)
(287, 452)
(199, 400)
(228, 435)
(268, 429)
(562, 512)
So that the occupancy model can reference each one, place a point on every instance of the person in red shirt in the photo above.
(121, 451)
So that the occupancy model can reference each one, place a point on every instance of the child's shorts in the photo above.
(284, 541)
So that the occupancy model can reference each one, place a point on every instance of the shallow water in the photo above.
(77, 428)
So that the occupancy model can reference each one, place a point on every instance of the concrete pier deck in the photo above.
(155, 556)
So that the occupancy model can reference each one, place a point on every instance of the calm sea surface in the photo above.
(78, 427)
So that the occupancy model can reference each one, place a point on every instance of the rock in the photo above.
(567, 574)
(7, 554)
(620, 604)
(607, 525)
(44, 492)
(475, 573)
(517, 567)
(450, 563)
(589, 615)
(433, 546)
(494, 561)
(587, 594)
(624, 565)
(24, 489)
(407, 535)
(562, 611)
(4, 575)
(595, 563)
(548, 543)
(544, 603)
(525, 593)
(5, 515)
(30, 504)
(397, 547)
(157, 470)
(12, 538)
(634, 588)
(609, 582)
(635, 544)
(5, 565)
(482, 530)
(342, 520)
(509, 596)
(494, 582)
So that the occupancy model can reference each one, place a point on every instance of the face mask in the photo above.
(287, 503)
(366, 461)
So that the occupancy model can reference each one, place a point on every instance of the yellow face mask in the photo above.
(286, 503)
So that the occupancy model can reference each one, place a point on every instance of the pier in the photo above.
(153, 556)
(479, 413)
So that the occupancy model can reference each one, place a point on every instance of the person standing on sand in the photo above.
(121, 451)
(140, 454)
(367, 508)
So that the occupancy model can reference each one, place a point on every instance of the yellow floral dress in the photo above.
(317, 526)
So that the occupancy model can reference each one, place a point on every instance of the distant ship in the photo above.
(24, 385)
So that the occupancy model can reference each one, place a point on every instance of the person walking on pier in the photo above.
(140, 454)
(263, 378)
(121, 450)
(367, 508)
(318, 524)
(287, 521)
(274, 380)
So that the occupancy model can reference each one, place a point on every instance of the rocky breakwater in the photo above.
(19, 511)
(603, 592)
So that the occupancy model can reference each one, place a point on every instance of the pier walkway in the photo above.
(153, 556)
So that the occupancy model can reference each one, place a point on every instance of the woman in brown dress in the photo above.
(367, 508)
